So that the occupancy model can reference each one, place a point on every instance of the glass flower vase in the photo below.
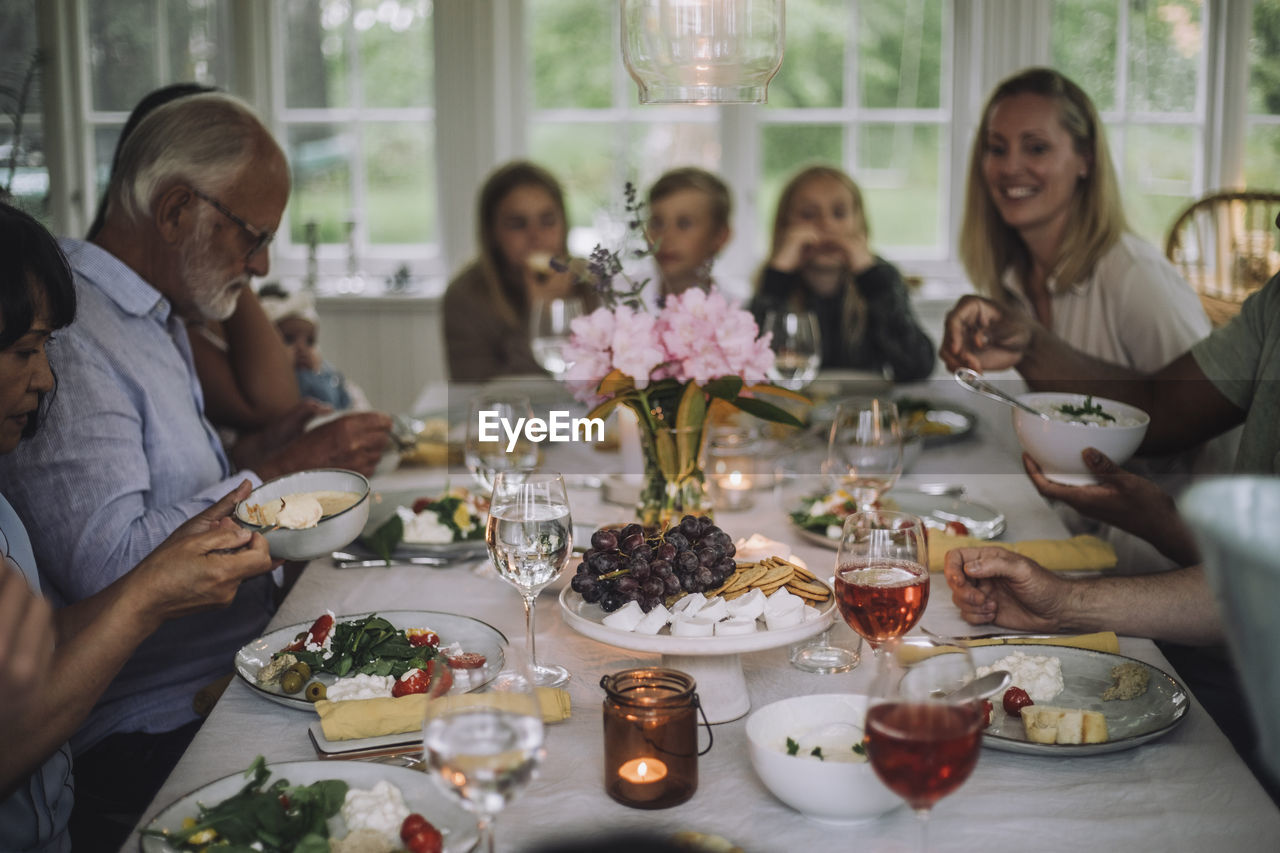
(674, 481)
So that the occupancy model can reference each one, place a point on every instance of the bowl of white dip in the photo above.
(308, 514)
(1077, 421)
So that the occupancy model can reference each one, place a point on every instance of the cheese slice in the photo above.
(1046, 724)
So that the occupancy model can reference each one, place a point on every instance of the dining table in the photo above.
(1187, 790)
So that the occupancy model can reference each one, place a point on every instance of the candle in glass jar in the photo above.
(735, 489)
(639, 778)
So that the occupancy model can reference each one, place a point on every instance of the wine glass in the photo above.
(882, 574)
(484, 748)
(796, 345)
(530, 538)
(864, 448)
(489, 449)
(922, 740)
(549, 331)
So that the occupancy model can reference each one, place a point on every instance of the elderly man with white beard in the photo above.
(125, 454)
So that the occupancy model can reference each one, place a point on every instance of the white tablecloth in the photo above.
(1186, 791)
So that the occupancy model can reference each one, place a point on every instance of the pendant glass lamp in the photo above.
(703, 51)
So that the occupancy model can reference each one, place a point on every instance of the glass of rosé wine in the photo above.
(882, 574)
(921, 740)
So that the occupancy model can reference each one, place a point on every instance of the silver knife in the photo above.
(343, 560)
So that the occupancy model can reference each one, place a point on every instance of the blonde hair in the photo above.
(1096, 221)
(700, 180)
(504, 284)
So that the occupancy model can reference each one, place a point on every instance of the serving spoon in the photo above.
(973, 381)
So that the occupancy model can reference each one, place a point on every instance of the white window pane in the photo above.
(585, 159)
(319, 156)
(812, 73)
(1165, 45)
(316, 36)
(394, 40)
(573, 48)
(898, 171)
(401, 183)
(655, 148)
(1262, 157)
(22, 162)
(900, 50)
(1083, 46)
(1158, 179)
(1264, 70)
(786, 148)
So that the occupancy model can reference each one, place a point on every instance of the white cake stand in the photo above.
(714, 662)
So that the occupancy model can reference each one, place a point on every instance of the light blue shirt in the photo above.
(35, 816)
(124, 457)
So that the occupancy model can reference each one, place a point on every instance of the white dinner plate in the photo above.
(983, 521)
(472, 634)
(384, 506)
(586, 620)
(456, 825)
(1085, 675)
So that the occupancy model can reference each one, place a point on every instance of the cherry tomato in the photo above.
(957, 528)
(1015, 699)
(467, 660)
(906, 524)
(317, 633)
(423, 637)
(440, 676)
(420, 836)
(436, 678)
(422, 503)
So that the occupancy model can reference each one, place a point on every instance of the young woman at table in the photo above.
(820, 261)
(79, 651)
(522, 225)
(688, 225)
(1044, 233)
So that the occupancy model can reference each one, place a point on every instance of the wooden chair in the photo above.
(1226, 245)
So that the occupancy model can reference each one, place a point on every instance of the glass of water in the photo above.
(797, 347)
(489, 448)
(530, 539)
(484, 748)
(550, 329)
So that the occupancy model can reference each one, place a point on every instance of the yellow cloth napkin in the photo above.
(1077, 554)
(1103, 641)
(361, 718)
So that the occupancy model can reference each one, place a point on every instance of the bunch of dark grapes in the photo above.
(625, 565)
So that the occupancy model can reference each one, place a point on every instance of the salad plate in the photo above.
(384, 507)
(937, 511)
(1085, 674)
(456, 825)
(471, 634)
(934, 421)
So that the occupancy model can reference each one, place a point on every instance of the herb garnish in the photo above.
(1085, 410)
(792, 747)
(280, 817)
(817, 753)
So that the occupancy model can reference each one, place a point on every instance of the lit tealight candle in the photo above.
(735, 488)
(638, 778)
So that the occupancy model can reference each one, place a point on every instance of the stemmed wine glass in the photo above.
(487, 443)
(864, 458)
(530, 538)
(484, 748)
(549, 330)
(923, 741)
(797, 347)
(864, 448)
(882, 574)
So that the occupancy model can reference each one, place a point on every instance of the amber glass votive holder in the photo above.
(650, 737)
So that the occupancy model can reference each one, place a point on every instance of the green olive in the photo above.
(315, 691)
(302, 669)
(291, 681)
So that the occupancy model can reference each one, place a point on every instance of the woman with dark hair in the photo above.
(521, 227)
(198, 567)
(820, 261)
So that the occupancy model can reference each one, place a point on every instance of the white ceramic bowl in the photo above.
(1057, 445)
(331, 533)
(836, 791)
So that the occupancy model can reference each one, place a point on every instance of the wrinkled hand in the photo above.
(1125, 500)
(996, 585)
(253, 448)
(201, 564)
(354, 441)
(982, 335)
(26, 643)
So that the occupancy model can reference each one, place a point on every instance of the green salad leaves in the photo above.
(369, 646)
